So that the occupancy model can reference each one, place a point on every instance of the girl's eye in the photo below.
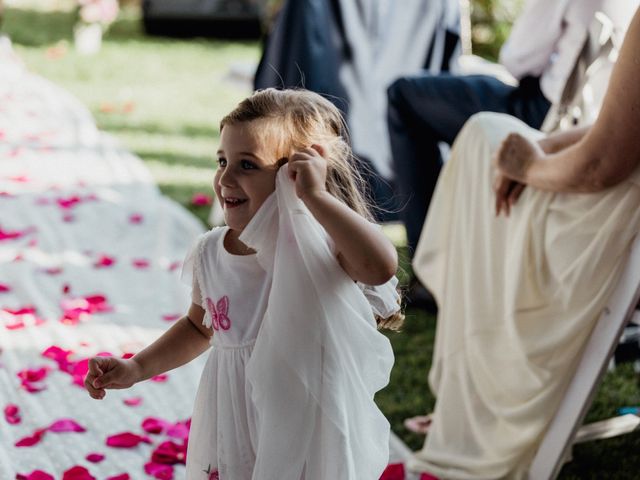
(247, 165)
(222, 162)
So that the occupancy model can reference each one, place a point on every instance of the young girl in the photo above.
(285, 294)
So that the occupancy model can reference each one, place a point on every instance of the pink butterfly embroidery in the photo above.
(218, 312)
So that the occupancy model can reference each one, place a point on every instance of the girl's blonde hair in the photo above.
(295, 119)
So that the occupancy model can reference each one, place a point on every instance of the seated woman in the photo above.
(518, 294)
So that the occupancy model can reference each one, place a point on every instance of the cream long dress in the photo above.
(518, 298)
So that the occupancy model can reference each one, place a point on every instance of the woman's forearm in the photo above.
(584, 167)
(558, 141)
(179, 345)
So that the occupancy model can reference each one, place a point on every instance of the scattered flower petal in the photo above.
(66, 425)
(53, 271)
(136, 218)
(126, 440)
(140, 263)
(35, 475)
(4, 288)
(77, 473)
(95, 457)
(179, 430)
(33, 439)
(170, 317)
(122, 476)
(201, 199)
(104, 261)
(159, 471)
(133, 401)
(12, 414)
(169, 453)
(163, 377)
(155, 425)
(394, 471)
(428, 476)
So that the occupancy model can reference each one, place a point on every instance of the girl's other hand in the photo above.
(308, 169)
(110, 372)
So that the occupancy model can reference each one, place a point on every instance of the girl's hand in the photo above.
(110, 372)
(308, 169)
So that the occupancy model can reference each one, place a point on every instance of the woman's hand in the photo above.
(110, 372)
(512, 160)
(515, 156)
(308, 169)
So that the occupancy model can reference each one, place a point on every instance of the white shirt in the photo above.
(549, 34)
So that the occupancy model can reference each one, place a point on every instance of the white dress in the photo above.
(518, 297)
(234, 290)
(287, 391)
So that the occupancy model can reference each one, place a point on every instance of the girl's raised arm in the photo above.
(363, 250)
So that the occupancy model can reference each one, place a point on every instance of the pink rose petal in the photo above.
(163, 377)
(155, 425)
(394, 471)
(77, 473)
(170, 317)
(122, 476)
(428, 476)
(35, 475)
(179, 430)
(66, 425)
(33, 374)
(126, 440)
(104, 261)
(4, 288)
(169, 453)
(133, 401)
(95, 457)
(31, 440)
(174, 265)
(201, 199)
(159, 471)
(12, 414)
(214, 475)
(19, 179)
(53, 271)
(140, 263)
(136, 218)
(69, 202)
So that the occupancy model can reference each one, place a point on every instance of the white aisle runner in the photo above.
(81, 219)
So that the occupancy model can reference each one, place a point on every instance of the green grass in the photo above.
(180, 91)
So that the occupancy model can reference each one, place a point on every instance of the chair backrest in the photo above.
(592, 366)
(584, 90)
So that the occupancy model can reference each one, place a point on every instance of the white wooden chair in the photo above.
(564, 429)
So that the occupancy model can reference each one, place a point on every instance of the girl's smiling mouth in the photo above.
(232, 202)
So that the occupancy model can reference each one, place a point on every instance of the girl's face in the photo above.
(246, 173)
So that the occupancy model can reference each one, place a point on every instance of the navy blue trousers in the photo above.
(427, 109)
